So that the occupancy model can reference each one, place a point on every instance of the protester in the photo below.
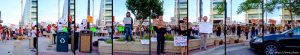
(53, 32)
(253, 31)
(159, 27)
(239, 30)
(246, 30)
(34, 36)
(203, 35)
(219, 31)
(169, 29)
(185, 30)
(128, 27)
(143, 31)
(272, 29)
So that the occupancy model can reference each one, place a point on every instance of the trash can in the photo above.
(74, 41)
(62, 42)
(85, 41)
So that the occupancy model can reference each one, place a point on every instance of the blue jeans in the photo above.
(253, 34)
(128, 32)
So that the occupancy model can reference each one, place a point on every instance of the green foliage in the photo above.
(220, 7)
(142, 8)
(249, 4)
(146, 36)
(169, 37)
(109, 41)
(123, 39)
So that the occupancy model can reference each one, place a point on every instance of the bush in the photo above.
(146, 36)
(123, 39)
(169, 37)
(192, 37)
(109, 41)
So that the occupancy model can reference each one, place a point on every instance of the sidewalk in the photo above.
(9, 47)
(216, 50)
(44, 48)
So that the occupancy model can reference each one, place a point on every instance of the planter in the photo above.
(130, 47)
(232, 39)
(194, 44)
(169, 47)
(210, 41)
(104, 48)
(217, 41)
(242, 39)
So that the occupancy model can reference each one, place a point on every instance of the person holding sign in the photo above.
(185, 30)
(160, 28)
(128, 27)
(204, 28)
(34, 36)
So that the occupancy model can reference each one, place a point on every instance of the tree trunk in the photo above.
(140, 29)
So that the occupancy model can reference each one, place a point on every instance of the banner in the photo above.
(180, 41)
(153, 39)
(121, 28)
(93, 29)
(145, 41)
(205, 27)
(90, 19)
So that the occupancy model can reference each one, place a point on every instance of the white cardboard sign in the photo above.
(180, 41)
(205, 27)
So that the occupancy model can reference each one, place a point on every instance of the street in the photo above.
(231, 49)
(238, 50)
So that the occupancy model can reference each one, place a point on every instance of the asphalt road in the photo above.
(241, 50)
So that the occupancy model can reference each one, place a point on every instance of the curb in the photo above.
(219, 47)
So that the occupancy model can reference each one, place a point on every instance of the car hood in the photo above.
(272, 36)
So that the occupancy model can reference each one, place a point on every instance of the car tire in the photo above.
(271, 48)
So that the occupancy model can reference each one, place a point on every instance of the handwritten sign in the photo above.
(180, 41)
(153, 39)
(127, 20)
(205, 27)
(145, 41)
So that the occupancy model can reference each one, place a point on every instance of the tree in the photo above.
(220, 7)
(248, 4)
(145, 8)
(292, 6)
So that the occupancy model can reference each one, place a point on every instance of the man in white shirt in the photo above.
(204, 35)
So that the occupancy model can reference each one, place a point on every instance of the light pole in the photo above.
(224, 30)
(88, 14)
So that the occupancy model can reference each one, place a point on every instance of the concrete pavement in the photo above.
(14, 47)
(231, 49)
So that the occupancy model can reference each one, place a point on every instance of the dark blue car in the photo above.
(276, 43)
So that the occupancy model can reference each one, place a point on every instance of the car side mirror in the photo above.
(291, 34)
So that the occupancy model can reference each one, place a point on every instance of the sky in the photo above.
(119, 9)
(235, 3)
(48, 10)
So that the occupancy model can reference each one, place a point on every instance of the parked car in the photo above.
(276, 43)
